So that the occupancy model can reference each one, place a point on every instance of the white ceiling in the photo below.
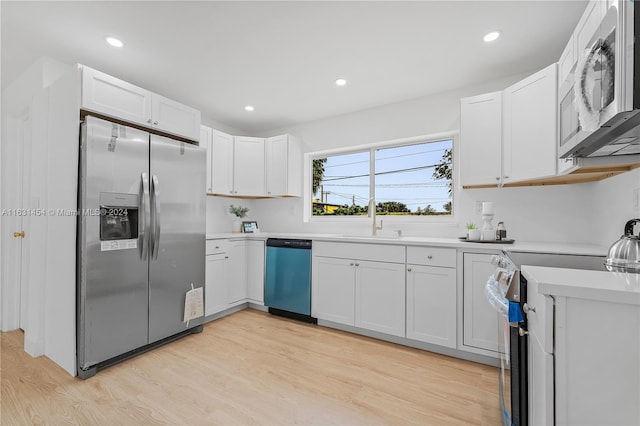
(283, 57)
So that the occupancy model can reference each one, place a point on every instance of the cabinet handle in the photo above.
(506, 177)
(522, 332)
(149, 120)
(155, 123)
(526, 308)
(351, 264)
(429, 257)
(226, 257)
(357, 264)
(408, 269)
(498, 178)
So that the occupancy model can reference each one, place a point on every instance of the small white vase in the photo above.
(474, 235)
(237, 225)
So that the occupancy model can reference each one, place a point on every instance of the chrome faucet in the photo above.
(372, 215)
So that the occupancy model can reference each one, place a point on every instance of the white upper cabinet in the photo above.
(115, 98)
(221, 163)
(175, 118)
(530, 126)
(111, 96)
(510, 136)
(205, 140)
(248, 166)
(284, 166)
(481, 139)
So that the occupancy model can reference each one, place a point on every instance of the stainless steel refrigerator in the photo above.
(141, 240)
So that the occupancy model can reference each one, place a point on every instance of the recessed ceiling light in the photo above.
(114, 42)
(492, 36)
(341, 82)
(249, 108)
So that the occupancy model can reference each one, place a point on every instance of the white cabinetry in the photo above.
(530, 125)
(584, 347)
(380, 297)
(333, 289)
(255, 271)
(284, 166)
(237, 271)
(110, 96)
(481, 139)
(431, 295)
(248, 166)
(480, 320)
(510, 136)
(216, 273)
(360, 285)
(225, 275)
(221, 163)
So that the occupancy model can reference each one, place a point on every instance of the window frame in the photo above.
(371, 147)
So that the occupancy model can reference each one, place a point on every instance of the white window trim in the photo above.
(309, 156)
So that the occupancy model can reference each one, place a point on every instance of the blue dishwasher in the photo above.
(287, 284)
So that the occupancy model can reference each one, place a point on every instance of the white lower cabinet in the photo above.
(431, 304)
(237, 271)
(380, 297)
(255, 272)
(480, 319)
(215, 294)
(366, 292)
(583, 356)
(225, 275)
(333, 290)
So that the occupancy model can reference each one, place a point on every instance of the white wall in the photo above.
(562, 213)
(612, 206)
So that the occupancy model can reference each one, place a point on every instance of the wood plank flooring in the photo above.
(252, 368)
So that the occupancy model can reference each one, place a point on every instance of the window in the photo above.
(404, 180)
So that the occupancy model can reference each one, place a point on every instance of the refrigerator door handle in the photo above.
(155, 217)
(145, 210)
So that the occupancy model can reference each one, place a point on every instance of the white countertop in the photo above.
(597, 285)
(518, 246)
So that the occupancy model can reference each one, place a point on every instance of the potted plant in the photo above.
(239, 212)
(473, 233)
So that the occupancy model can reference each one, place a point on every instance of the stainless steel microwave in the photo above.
(599, 108)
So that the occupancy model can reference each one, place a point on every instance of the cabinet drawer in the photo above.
(373, 252)
(216, 246)
(431, 256)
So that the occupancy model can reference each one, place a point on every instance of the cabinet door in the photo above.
(237, 285)
(205, 140)
(221, 163)
(380, 297)
(255, 271)
(115, 98)
(333, 290)
(175, 118)
(480, 320)
(216, 277)
(277, 165)
(431, 304)
(481, 139)
(248, 161)
(530, 127)
(540, 382)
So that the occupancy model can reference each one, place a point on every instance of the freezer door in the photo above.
(178, 174)
(112, 259)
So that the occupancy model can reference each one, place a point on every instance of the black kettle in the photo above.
(624, 254)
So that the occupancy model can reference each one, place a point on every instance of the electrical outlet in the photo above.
(636, 200)
(478, 207)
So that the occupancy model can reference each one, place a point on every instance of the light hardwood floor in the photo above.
(252, 368)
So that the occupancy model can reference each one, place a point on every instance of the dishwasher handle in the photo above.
(289, 243)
